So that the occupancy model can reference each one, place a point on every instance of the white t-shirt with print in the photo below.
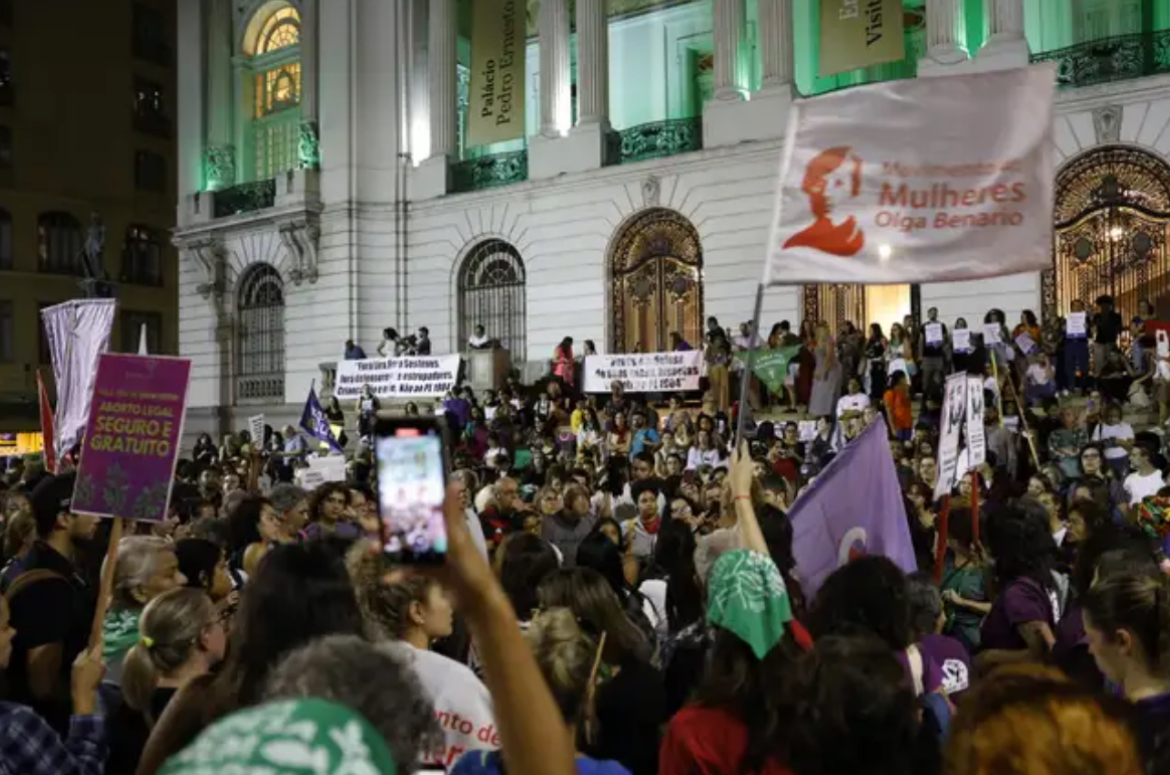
(463, 705)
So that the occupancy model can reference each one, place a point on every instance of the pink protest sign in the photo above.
(132, 437)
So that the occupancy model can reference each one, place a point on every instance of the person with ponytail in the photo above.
(180, 637)
(1127, 620)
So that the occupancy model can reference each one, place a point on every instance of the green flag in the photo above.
(771, 366)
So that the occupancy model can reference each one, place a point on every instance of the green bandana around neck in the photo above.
(747, 597)
(119, 632)
(288, 737)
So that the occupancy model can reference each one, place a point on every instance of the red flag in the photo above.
(47, 433)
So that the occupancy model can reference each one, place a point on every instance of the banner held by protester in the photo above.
(853, 508)
(917, 180)
(645, 372)
(954, 411)
(405, 377)
(77, 333)
(132, 440)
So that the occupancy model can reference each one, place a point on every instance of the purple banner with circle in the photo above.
(132, 437)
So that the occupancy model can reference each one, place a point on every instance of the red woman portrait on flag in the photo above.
(831, 177)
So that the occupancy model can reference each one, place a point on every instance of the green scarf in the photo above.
(288, 737)
(747, 597)
(771, 366)
(119, 633)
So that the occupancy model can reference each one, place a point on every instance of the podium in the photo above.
(487, 369)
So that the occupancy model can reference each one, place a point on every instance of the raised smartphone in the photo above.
(411, 456)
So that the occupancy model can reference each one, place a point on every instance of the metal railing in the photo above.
(244, 198)
(499, 169)
(659, 139)
(1110, 59)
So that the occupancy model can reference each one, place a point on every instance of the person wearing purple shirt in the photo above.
(328, 515)
(947, 664)
(1021, 624)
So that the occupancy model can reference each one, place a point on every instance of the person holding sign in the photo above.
(962, 348)
(1076, 348)
(933, 345)
(50, 580)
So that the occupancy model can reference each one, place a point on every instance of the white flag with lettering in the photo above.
(923, 179)
(78, 332)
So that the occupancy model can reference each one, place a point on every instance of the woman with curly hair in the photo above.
(1021, 625)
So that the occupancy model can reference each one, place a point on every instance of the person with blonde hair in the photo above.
(406, 616)
(147, 566)
(568, 659)
(180, 637)
(1032, 720)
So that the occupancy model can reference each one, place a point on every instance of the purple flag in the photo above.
(853, 508)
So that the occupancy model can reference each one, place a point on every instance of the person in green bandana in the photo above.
(737, 722)
(290, 737)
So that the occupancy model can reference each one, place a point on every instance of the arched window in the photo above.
(260, 335)
(492, 295)
(272, 45)
(59, 244)
(142, 257)
(6, 261)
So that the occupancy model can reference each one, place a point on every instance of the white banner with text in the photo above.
(414, 376)
(644, 372)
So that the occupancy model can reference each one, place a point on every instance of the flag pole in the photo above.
(749, 364)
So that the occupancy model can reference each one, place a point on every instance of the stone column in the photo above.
(555, 96)
(220, 151)
(1006, 20)
(442, 56)
(309, 151)
(190, 106)
(945, 31)
(776, 44)
(592, 63)
(730, 34)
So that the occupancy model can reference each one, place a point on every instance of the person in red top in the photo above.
(898, 411)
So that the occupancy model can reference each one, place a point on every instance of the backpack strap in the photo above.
(28, 578)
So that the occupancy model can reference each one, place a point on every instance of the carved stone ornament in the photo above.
(651, 191)
(309, 149)
(1107, 124)
(220, 166)
(301, 240)
(212, 258)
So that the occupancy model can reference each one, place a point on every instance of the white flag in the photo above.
(917, 180)
(78, 332)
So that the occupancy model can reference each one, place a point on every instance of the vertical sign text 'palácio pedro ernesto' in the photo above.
(132, 438)
(860, 33)
(496, 112)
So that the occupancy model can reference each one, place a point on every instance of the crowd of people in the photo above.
(621, 592)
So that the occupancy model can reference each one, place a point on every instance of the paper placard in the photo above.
(807, 429)
(1075, 326)
(1163, 343)
(991, 334)
(256, 430)
(644, 372)
(961, 340)
(1025, 343)
(934, 334)
(976, 443)
(412, 376)
(954, 410)
(132, 437)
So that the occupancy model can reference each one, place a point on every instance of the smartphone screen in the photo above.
(412, 484)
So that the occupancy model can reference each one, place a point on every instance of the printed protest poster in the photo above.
(860, 33)
(132, 438)
(644, 372)
(991, 334)
(954, 409)
(496, 98)
(256, 430)
(408, 377)
(1074, 326)
(331, 468)
(976, 441)
(961, 340)
(1026, 344)
(917, 180)
(934, 334)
